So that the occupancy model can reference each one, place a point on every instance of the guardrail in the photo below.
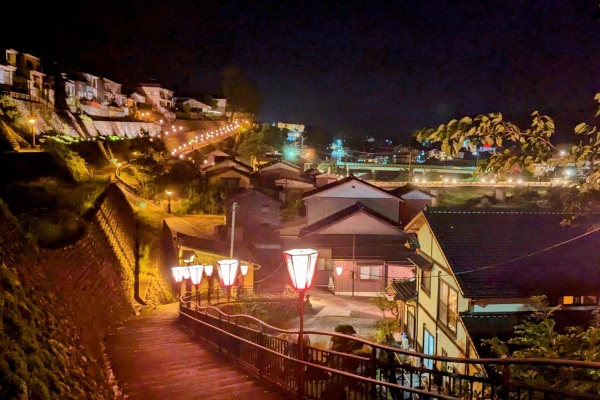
(28, 97)
(378, 372)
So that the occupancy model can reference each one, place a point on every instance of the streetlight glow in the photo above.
(301, 265)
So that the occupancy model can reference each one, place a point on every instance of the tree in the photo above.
(520, 149)
(383, 303)
(241, 93)
(538, 338)
(252, 144)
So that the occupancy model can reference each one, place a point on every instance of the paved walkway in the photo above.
(154, 357)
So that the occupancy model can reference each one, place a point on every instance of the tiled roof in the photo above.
(361, 247)
(213, 245)
(346, 212)
(516, 253)
(482, 326)
(219, 171)
(405, 290)
(255, 193)
(402, 190)
(341, 182)
(420, 261)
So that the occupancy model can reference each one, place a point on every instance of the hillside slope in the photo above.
(56, 307)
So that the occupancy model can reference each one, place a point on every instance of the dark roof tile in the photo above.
(516, 253)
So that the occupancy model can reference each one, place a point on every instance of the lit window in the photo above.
(265, 208)
(578, 300)
(426, 280)
(370, 272)
(448, 306)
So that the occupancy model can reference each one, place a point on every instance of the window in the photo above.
(230, 182)
(578, 300)
(426, 280)
(410, 325)
(369, 272)
(265, 209)
(428, 348)
(448, 306)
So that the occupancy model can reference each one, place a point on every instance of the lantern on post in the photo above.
(301, 265)
(179, 273)
(208, 270)
(338, 270)
(243, 271)
(227, 273)
(196, 272)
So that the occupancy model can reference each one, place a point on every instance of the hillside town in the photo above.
(458, 254)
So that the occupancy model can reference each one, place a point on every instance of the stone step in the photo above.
(153, 356)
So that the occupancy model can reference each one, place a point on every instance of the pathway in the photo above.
(154, 357)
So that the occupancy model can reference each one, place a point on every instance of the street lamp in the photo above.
(31, 123)
(208, 270)
(179, 274)
(169, 193)
(244, 271)
(227, 273)
(301, 264)
(196, 277)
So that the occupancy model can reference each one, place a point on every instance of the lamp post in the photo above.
(31, 123)
(179, 274)
(196, 272)
(227, 270)
(208, 270)
(227, 273)
(301, 264)
(244, 271)
(169, 193)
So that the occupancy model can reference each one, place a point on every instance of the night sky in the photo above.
(354, 68)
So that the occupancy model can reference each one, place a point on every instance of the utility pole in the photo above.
(353, 261)
(233, 210)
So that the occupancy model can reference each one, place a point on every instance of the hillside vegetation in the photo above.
(44, 351)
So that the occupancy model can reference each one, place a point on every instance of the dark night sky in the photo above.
(382, 68)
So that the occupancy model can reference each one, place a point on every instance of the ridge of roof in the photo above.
(346, 212)
(343, 181)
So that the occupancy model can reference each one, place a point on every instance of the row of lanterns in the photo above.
(209, 135)
(227, 270)
(301, 265)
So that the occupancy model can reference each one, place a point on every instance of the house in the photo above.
(157, 96)
(110, 92)
(227, 162)
(257, 217)
(479, 268)
(355, 227)
(285, 184)
(325, 179)
(336, 196)
(193, 105)
(29, 74)
(360, 250)
(8, 70)
(214, 157)
(291, 127)
(414, 199)
(281, 169)
(182, 241)
(230, 177)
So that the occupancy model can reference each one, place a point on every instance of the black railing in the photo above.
(377, 372)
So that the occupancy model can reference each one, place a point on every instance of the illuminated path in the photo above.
(154, 357)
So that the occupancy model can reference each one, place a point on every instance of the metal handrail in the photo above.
(228, 326)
